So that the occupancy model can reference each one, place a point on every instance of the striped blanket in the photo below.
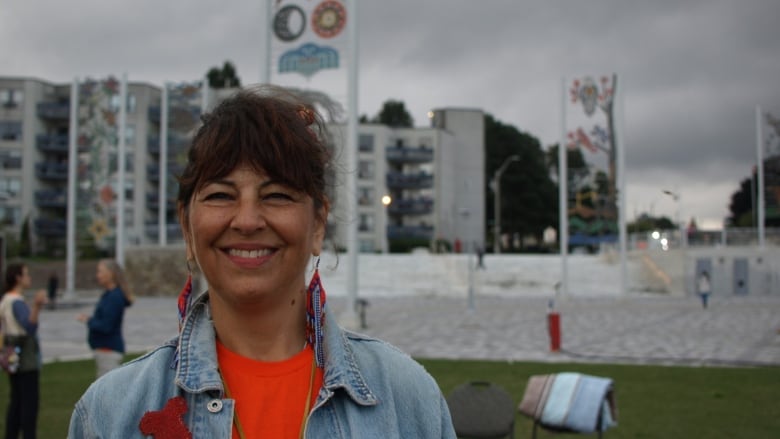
(570, 401)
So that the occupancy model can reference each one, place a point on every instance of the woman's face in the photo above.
(104, 276)
(24, 279)
(252, 237)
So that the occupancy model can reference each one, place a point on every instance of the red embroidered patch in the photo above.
(167, 423)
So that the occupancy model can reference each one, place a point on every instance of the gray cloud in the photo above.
(692, 71)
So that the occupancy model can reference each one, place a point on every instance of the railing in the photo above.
(728, 237)
(51, 171)
(403, 154)
(411, 206)
(399, 180)
(52, 142)
(50, 227)
(424, 232)
(176, 144)
(51, 198)
(53, 110)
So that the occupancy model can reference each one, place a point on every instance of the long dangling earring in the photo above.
(183, 304)
(184, 296)
(315, 314)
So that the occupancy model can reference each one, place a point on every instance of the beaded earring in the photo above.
(184, 296)
(182, 304)
(315, 314)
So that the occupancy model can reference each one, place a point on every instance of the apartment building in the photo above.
(434, 177)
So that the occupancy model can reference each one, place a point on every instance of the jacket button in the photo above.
(215, 406)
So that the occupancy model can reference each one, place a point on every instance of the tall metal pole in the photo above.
(352, 147)
(162, 194)
(73, 135)
(121, 174)
(563, 202)
(496, 183)
(760, 172)
(265, 51)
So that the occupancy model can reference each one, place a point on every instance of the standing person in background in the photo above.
(259, 354)
(20, 328)
(53, 285)
(704, 288)
(105, 325)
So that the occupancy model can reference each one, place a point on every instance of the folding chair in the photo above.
(482, 410)
(570, 402)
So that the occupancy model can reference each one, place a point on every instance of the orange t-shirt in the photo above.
(270, 396)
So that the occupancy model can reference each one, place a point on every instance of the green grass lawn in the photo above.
(653, 401)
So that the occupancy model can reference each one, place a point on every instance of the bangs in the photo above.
(267, 135)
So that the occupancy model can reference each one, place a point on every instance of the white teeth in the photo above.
(248, 253)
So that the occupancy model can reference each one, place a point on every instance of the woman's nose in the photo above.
(249, 216)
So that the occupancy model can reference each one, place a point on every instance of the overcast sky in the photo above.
(692, 71)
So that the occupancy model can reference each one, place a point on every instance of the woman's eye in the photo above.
(278, 196)
(217, 196)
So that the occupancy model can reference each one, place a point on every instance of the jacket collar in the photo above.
(197, 368)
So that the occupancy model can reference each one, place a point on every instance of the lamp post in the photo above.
(495, 184)
(386, 201)
(676, 197)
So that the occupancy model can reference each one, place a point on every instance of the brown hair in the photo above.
(119, 277)
(266, 128)
(12, 273)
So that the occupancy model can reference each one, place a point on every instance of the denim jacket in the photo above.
(370, 390)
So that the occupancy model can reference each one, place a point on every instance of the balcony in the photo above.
(50, 227)
(178, 115)
(176, 145)
(57, 143)
(52, 171)
(399, 180)
(56, 198)
(10, 162)
(403, 154)
(54, 110)
(421, 232)
(411, 206)
(172, 231)
(153, 171)
(153, 202)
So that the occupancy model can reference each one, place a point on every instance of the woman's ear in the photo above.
(184, 223)
(320, 226)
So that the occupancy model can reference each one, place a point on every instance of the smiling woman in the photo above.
(257, 354)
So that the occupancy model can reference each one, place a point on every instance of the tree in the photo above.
(394, 114)
(226, 77)
(529, 198)
(741, 205)
(647, 223)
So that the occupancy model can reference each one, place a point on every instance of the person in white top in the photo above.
(704, 288)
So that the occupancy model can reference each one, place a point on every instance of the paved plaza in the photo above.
(648, 329)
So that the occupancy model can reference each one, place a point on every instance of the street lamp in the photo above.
(676, 197)
(495, 184)
(386, 201)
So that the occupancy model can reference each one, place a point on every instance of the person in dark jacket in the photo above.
(19, 322)
(105, 325)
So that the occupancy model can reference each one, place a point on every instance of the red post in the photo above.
(554, 326)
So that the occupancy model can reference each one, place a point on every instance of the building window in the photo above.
(366, 143)
(365, 196)
(366, 169)
(113, 103)
(129, 134)
(366, 246)
(10, 186)
(366, 223)
(10, 98)
(10, 130)
(11, 159)
(10, 216)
